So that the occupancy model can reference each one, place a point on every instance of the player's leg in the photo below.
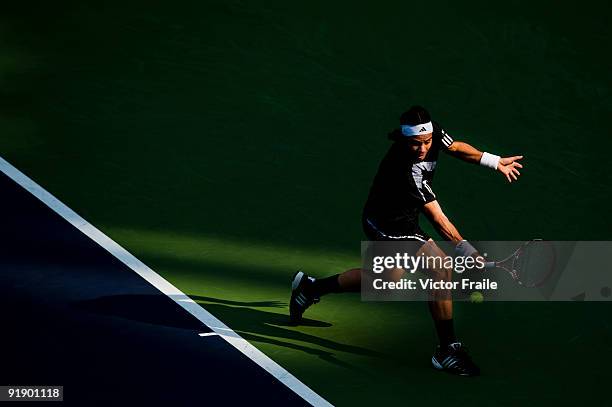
(306, 290)
(350, 280)
(441, 304)
(346, 282)
(450, 355)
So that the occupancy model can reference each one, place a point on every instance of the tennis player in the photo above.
(401, 190)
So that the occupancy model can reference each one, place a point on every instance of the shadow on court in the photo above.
(251, 323)
(267, 327)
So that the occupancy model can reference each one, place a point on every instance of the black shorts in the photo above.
(404, 231)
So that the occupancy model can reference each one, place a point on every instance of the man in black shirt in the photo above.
(402, 189)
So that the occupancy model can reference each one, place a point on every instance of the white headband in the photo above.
(409, 131)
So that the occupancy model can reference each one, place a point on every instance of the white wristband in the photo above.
(464, 249)
(489, 160)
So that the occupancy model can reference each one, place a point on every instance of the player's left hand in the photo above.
(508, 166)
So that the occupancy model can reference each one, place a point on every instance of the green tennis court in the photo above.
(228, 143)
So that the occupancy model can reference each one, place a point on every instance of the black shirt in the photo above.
(403, 185)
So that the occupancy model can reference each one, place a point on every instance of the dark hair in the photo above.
(411, 117)
(415, 115)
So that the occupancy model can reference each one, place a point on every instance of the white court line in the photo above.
(208, 334)
(164, 286)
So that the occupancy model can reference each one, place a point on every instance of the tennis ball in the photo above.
(477, 297)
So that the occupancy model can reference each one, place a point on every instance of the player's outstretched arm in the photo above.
(508, 166)
(465, 152)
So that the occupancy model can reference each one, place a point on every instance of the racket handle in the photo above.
(489, 264)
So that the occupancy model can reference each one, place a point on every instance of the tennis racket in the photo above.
(531, 265)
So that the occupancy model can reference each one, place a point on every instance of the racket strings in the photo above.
(534, 264)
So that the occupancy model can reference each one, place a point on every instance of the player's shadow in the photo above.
(248, 321)
(271, 327)
(274, 318)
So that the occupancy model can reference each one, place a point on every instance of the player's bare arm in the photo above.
(508, 166)
(433, 212)
(440, 222)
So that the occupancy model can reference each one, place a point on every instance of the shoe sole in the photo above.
(438, 366)
(435, 364)
(297, 279)
(295, 283)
